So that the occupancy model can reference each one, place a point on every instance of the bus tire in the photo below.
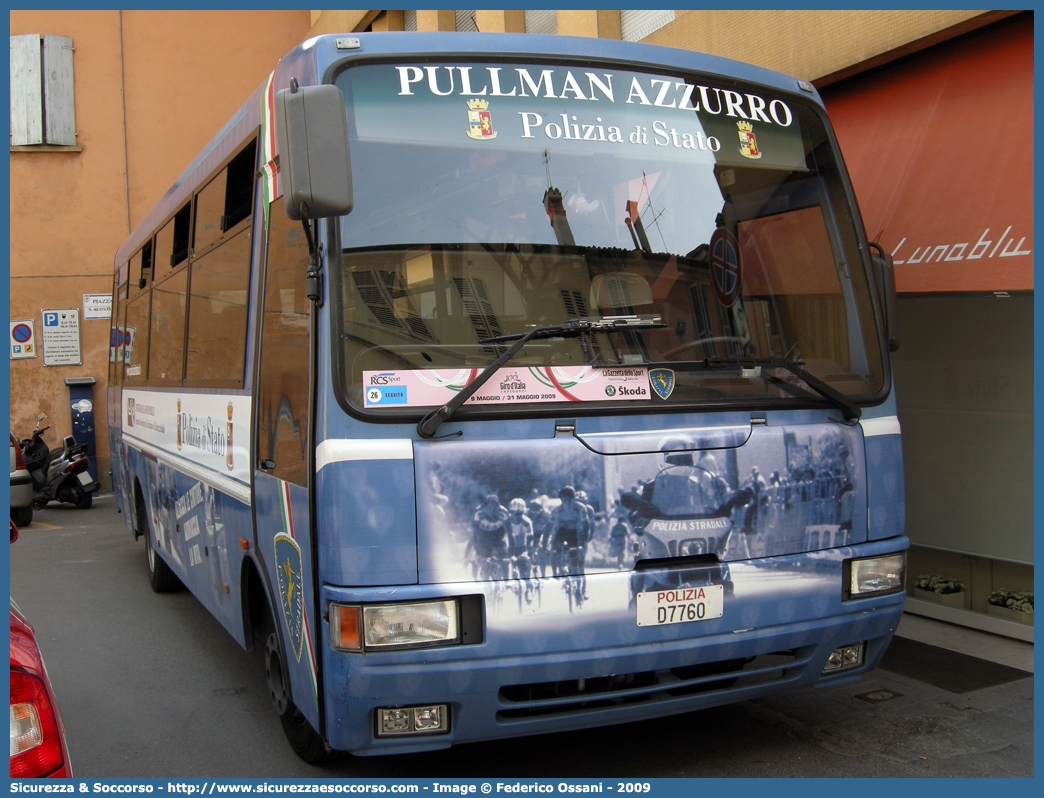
(306, 741)
(161, 578)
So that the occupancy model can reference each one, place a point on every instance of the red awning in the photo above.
(939, 146)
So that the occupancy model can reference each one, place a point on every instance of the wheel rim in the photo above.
(151, 553)
(274, 674)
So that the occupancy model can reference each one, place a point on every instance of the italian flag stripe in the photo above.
(270, 182)
(284, 501)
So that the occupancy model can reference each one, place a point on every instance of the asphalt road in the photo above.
(152, 686)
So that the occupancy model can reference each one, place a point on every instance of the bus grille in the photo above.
(604, 692)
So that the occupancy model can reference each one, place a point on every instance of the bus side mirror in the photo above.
(312, 135)
(884, 273)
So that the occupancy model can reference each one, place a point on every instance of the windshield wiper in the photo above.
(849, 408)
(427, 426)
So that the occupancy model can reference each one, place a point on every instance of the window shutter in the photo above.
(26, 91)
(636, 25)
(42, 107)
(465, 20)
(59, 109)
(409, 19)
(542, 21)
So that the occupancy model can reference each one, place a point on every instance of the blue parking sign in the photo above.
(60, 339)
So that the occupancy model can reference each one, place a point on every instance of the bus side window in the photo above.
(119, 302)
(282, 383)
(239, 187)
(226, 200)
(182, 224)
(210, 202)
(216, 350)
(167, 330)
(136, 340)
(172, 242)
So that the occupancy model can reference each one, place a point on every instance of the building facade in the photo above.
(930, 109)
(147, 90)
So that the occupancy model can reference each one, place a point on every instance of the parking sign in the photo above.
(23, 339)
(60, 336)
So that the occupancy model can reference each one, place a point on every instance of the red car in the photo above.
(37, 733)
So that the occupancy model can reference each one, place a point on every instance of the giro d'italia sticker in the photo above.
(511, 385)
(725, 266)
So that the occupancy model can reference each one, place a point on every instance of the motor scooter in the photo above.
(58, 474)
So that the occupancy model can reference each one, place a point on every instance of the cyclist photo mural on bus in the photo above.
(188, 522)
(558, 509)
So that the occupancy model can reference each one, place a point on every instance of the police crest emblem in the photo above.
(748, 144)
(662, 382)
(291, 588)
(480, 123)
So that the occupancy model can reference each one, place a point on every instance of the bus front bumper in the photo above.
(544, 668)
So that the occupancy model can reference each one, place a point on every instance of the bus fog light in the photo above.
(432, 719)
(395, 721)
(430, 623)
(427, 718)
(877, 575)
(844, 658)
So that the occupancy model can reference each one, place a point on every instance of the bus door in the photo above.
(281, 503)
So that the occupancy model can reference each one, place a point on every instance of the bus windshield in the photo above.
(492, 198)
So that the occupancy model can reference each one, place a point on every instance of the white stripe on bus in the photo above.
(886, 425)
(221, 482)
(344, 450)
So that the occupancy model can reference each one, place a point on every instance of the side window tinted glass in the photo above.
(119, 303)
(210, 206)
(167, 338)
(218, 313)
(239, 191)
(282, 391)
(136, 340)
(182, 223)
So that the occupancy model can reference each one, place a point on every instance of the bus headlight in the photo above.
(385, 626)
(875, 575)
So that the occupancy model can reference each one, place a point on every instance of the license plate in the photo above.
(85, 478)
(681, 605)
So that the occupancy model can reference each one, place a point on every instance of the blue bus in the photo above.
(494, 385)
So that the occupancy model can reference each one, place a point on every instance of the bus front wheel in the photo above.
(306, 741)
